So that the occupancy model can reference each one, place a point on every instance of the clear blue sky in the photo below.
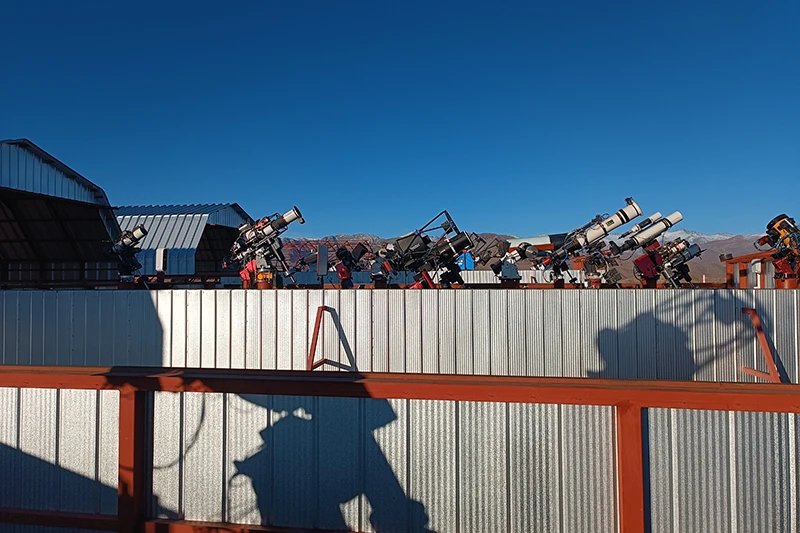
(373, 116)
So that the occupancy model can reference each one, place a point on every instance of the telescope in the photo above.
(645, 236)
(260, 242)
(587, 235)
(125, 248)
(417, 251)
(642, 225)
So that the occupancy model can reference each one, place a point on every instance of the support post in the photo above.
(630, 468)
(131, 491)
(742, 275)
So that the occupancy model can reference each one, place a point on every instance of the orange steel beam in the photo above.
(773, 376)
(725, 396)
(767, 254)
(628, 397)
(310, 364)
(186, 526)
(97, 522)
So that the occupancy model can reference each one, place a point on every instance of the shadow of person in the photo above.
(322, 453)
(620, 350)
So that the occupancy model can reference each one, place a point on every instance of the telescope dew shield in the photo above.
(643, 224)
(620, 218)
(653, 231)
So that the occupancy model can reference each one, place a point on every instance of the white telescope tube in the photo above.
(600, 230)
(653, 231)
(643, 224)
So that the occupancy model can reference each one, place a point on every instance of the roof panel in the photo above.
(220, 213)
(167, 231)
(26, 167)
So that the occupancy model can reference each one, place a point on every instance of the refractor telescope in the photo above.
(421, 251)
(583, 237)
(125, 248)
(646, 235)
(259, 246)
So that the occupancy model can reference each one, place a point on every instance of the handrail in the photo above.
(629, 397)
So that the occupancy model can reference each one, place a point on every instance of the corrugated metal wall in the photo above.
(471, 466)
(21, 170)
(683, 334)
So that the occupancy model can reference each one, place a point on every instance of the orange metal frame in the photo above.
(773, 376)
(628, 397)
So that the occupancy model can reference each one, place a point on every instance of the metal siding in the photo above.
(535, 502)
(203, 451)
(747, 345)
(293, 472)
(167, 452)
(624, 335)
(21, 170)
(208, 329)
(38, 436)
(239, 328)
(588, 468)
(430, 331)
(397, 354)
(194, 328)
(535, 334)
(705, 336)
(643, 329)
(252, 334)
(787, 321)
(179, 328)
(517, 339)
(668, 337)
(364, 329)
(447, 332)
(413, 331)
(499, 350)
(571, 332)
(589, 328)
(380, 331)
(284, 331)
(301, 316)
(108, 449)
(762, 468)
(247, 421)
(725, 313)
(222, 329)
(77, 437)
(339, 463)
(329, 344)
(553, 333)
(433, 459)
(464, 332)
(269, 330)
(481, 331)
(9, 437)
(690, 471)
(605, 357)
(483, 475)
(661, 484)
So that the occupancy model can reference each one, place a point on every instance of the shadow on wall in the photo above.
(46, 436)
(322, 453)
(681, 339)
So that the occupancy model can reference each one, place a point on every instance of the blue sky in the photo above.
(371, 117)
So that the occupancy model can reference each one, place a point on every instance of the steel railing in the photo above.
(629, 397)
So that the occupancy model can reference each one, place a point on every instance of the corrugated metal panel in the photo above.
(23, 169)
(171, 327)
(230, 215)
(180, 234)
(663, 334)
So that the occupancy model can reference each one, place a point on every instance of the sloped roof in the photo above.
(220, 210)
(27, 167)
(177, 228)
